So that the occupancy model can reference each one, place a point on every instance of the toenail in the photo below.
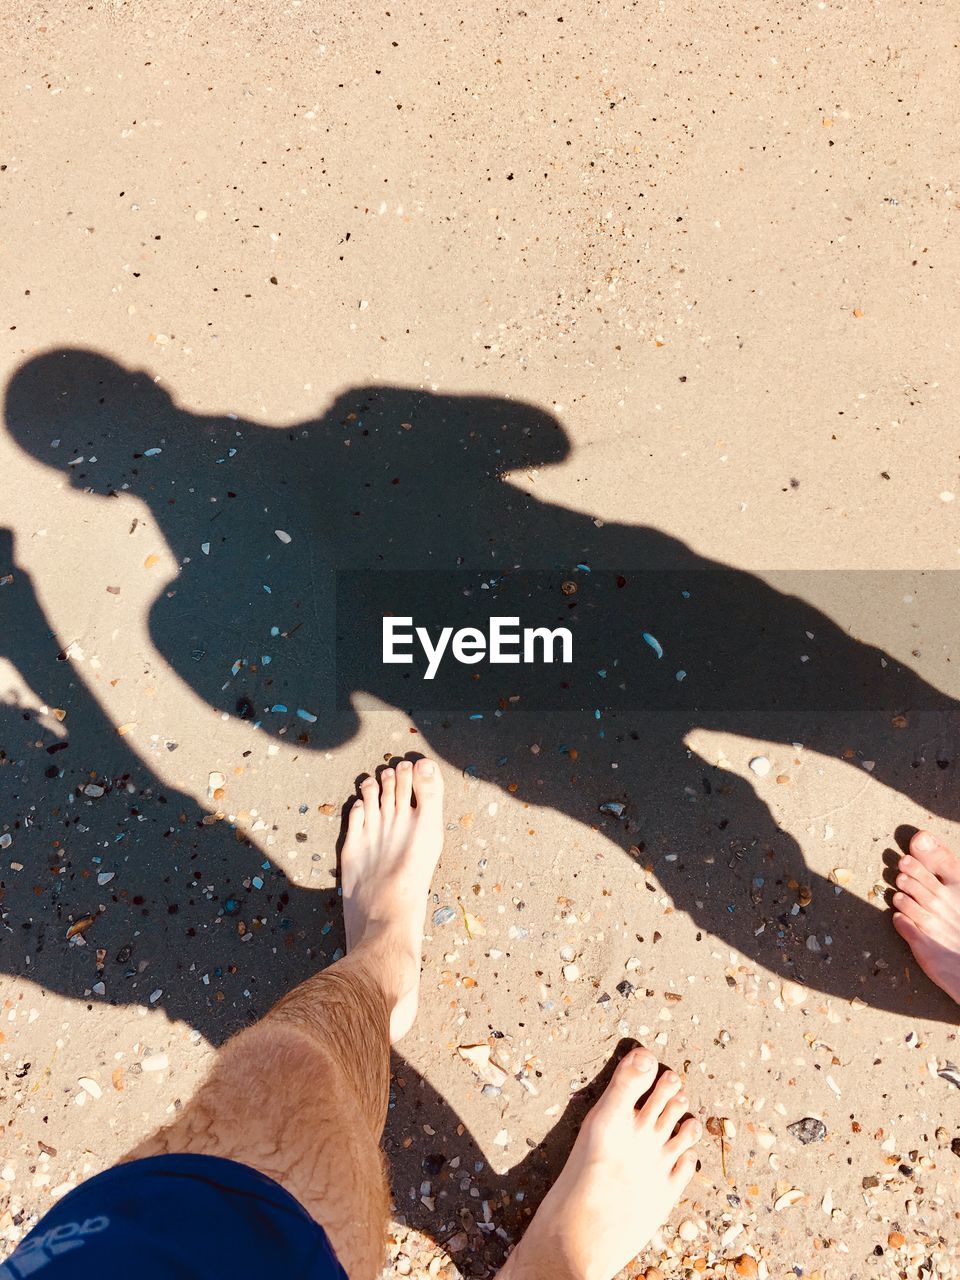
(426, 768)
(404, 765)
(358, 804)
(924, 840)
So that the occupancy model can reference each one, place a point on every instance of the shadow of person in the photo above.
(178, 911)
(181, 926)
(404, 496)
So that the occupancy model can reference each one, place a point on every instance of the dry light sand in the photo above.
(647, 282)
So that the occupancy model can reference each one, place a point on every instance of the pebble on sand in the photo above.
(760, 765)
(808, 1130)
(792, 993)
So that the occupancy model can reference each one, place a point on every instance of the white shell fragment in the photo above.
(478, 1056)
(791, 1197)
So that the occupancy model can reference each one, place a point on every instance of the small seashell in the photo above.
(478, 1057)
(789, 1198)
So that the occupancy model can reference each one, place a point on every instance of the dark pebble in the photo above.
(808, 1130)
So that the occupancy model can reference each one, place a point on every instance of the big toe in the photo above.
(631, 1080)
(936, 857)
(427, 784)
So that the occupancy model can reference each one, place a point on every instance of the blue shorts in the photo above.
(185, 1216)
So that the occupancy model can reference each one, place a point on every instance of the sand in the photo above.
(655, 286)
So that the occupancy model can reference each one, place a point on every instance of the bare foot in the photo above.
(927, 914)
(625, 1173)
(386, 865)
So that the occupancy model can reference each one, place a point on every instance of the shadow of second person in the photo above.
(119, 888)
(407, 495)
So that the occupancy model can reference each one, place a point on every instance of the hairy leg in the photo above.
(302, 1096)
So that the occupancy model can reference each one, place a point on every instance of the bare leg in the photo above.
(927, 910)
(628, 1168)
(302, 1096)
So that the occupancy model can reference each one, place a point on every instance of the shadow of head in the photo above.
(83, 413)
(71, 407)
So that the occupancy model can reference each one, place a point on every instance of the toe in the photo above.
(907, 930)
(404, 784)
(370, 797)
(686, 1137)
(936, 857)
(631, 1080)
(683, 1171)
(355, 818)
(912, 909)
(672, 1114)
(666, 1088)
(427, 785)
(918, 891)
(912, 867)
(388, 793)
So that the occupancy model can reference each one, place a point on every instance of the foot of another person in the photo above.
(927, 910)
(627, 1170)
(388, 860)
